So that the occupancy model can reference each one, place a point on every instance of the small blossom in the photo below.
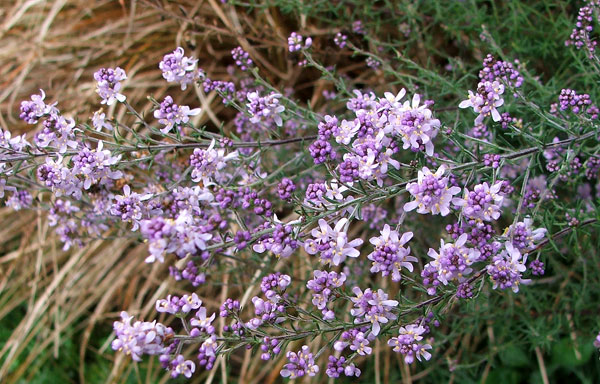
(299, 364)
(431, 192)
(389, 255)
(109, 84)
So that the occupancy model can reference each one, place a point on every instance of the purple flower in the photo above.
(58, 132)
(96, 166)
(485, 101)
(412, 122)
(332, 243)
(507, 268)
(322, 286)
(180, 366)
(523, 236)
(453, 261)
(177, 68)
(389, 255)
(408, 343)
(19, 200)
(208, 163)
(431, 192)
(336, 367)
(299, 364)
(207, 353)
(170, 114)
(140, 338)
(340, 40)
(483, 203)
(265, 108)
(32, 110)
(129, 206)
(99, 121)
(109, 84)
(285, 188)
(297, 42)
(372, 306)
(242, 58)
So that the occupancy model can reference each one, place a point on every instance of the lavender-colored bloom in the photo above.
(389, 255)
(207, 352)
(285, 188)
(140, 338)
(581, 35)
(336, 367)
(180, 366)
(501, 71)
(297, 42)
(269, 347)
(242, 58)
(129, 206)
(99, 121)
(536, 267)
(299, 364)
(32, 110)
(432, 193)
(485, 101)
(523, 236)
(507, 268)
(170, 114)
(202, 321)
(265, 108)
(332, 243)
(209, 162)
(356, 340)
(281, 242)
(177, 68)
(96, 166)
(58, 132)
(19, 200)
(322, 287)
(55, 175)
(109, 84)
(409, 343)
(345, 132)
(274, 284)
(454, 260)
(340, 40)
(597, 341)
(372, 306)
(483, 203)
(412, 122)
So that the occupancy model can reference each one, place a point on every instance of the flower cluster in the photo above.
(332, 243)
(177, 68)
(297, 42)
(485, 101)
(108, 84)
(507, 268)
(581, 35)
(432, 193)
(140, 338)
(266, 109)
(389, 255)
(372, 307)
(171, 115)
(323, 285)
(451, 264)
(409, 343)
(300, 363)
